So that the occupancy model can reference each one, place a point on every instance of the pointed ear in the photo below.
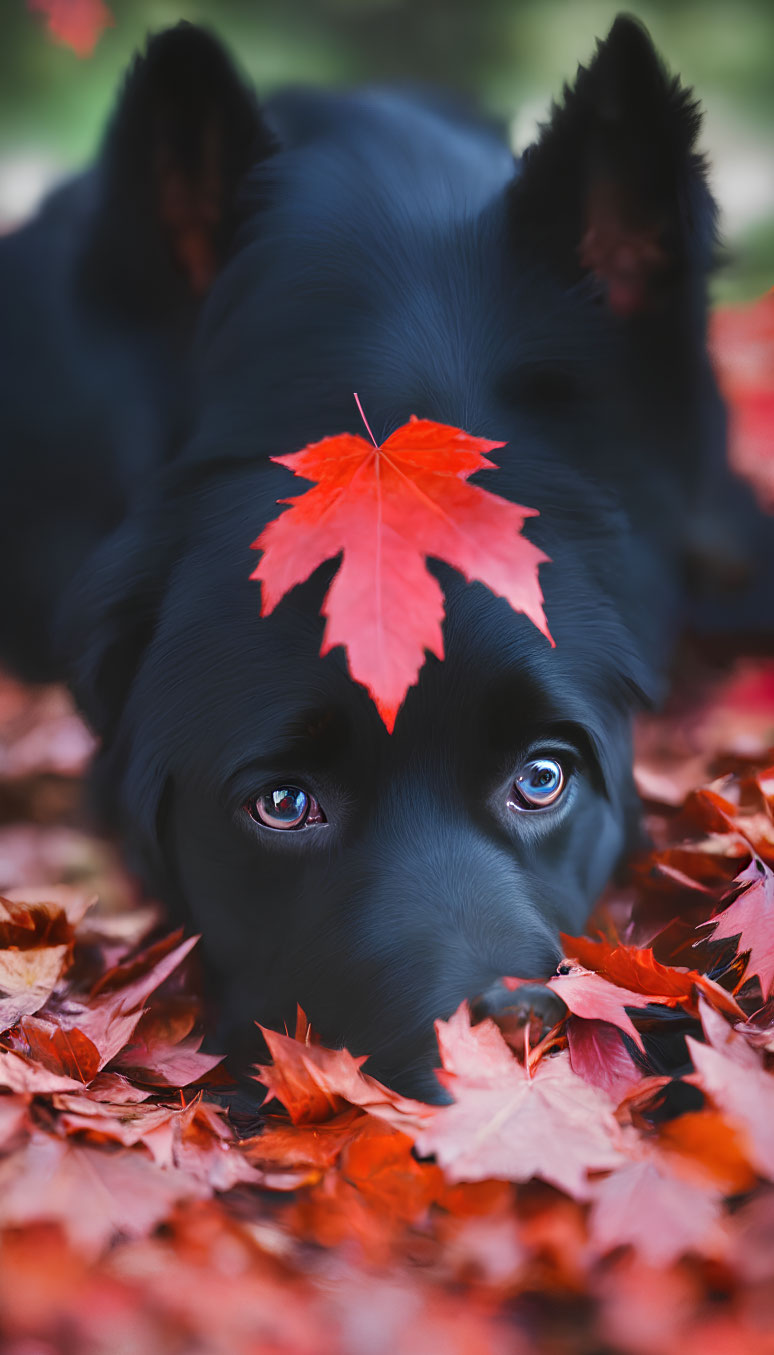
(614, 185)
(185, 132)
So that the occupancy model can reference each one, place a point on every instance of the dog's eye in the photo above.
(285, 807)
(538, 784)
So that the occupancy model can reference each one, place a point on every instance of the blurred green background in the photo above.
(513, 56)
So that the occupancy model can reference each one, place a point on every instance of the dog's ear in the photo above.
(185, 132)
(614, 186)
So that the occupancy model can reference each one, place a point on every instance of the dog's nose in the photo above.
(524, 1014)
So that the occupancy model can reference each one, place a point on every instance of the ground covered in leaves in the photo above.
(610, 1189)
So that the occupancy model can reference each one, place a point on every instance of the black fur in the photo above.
(383, 244)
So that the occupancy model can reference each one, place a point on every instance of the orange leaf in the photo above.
(638, 970)
(710, 1147)
(281, 1146)
(67, 1052)
(729, 1071)
(314, 1083)
(290, 1081)
(379, 1162)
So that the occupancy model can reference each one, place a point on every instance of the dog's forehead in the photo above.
(241, 686)
(411, 294)
(217, 667)
(211, 619)
(415, 334)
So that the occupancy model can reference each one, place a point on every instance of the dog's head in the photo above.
(378, 879)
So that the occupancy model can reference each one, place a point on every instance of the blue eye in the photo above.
(539, 783)
(285, 807)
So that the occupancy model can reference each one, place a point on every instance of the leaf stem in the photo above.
(365, 420)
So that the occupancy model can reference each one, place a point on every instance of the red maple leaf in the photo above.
(315, 1084)
(168, 1065)
(385, 510)
(77, 1038)
(288, 1079)
(599, 1055)
(61, 1050)
(509, 1123)
(95, 1195)
(590, 996)
(280, 1145)
(378, 1161)
(78, 24)
(26, 1076)
(648, 1206)
(751, 918)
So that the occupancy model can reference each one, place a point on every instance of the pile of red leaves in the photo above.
(583, 1197)
(611, 1189)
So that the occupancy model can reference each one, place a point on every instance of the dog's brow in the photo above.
(302, 739)
(312, 725)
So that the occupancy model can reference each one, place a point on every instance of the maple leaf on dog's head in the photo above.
(385, 510)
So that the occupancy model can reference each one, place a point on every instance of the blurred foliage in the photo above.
(511, 55)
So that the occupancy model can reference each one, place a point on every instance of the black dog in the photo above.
(387, 245)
